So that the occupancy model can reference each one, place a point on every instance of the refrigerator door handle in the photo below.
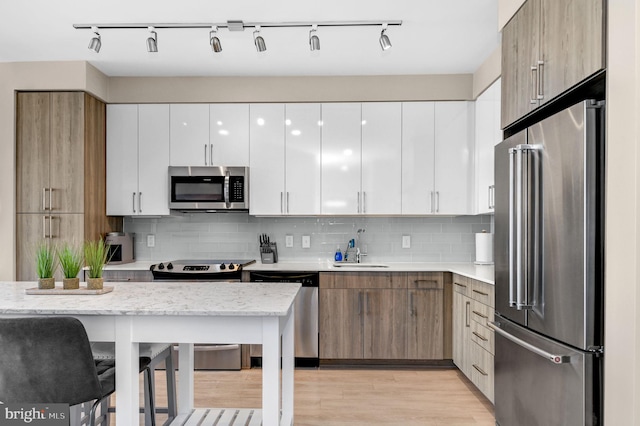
(554, 358)
(512, 229)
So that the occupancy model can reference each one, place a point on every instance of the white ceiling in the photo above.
(436, 37)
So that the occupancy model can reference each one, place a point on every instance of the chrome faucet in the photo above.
(354, 244)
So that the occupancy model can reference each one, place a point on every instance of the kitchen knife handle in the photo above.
(554, 358)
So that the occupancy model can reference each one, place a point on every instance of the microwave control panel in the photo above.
(236, 190)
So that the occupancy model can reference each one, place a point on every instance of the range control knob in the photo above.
(222, 267)
(232, 266)
(169, 266)
(160, 266)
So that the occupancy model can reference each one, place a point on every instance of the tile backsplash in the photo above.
(235, 235)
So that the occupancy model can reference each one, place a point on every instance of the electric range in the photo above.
(200, 270)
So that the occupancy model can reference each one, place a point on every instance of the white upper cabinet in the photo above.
(454, 150)
(418, 146)
(302, 158)
(229, 135)
(381, 158)
(267, 166)
(437, 158)
(487, 135)
(341, 158)
(190, 135)
(137, 160)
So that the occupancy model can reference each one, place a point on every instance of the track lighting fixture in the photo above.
(261, 46)
(236, 26)
(95, 44)
(214, 41)
(152, 41)
(314, 41)
(385, 43)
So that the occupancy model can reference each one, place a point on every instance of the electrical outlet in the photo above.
(306, 241)
(151, 240)
(288, 241)
(406, 241)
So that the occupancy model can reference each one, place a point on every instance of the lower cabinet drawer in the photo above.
(483, 336)
(482, 370)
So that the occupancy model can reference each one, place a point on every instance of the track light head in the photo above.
(261, 46)
(152, 41)
(214, 41)
(385, 43)
(96, 43)
(314, 41)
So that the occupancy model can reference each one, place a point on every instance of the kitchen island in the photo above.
(186, 313)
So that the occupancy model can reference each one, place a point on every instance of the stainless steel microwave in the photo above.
(208, 188)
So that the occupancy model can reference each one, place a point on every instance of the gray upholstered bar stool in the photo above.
(158, 353)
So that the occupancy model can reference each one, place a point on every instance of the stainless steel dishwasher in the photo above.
(306, 316)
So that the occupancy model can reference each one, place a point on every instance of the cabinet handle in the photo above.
(534, 82)
(133, 202)
(50, 198)
(480, 370)
(460, 285)
(211, 154)
(281, 202)
(44, 199)
(51, 234)
(437, 201)
(484, 339)
(44, 227)
(480, 292)
(467, 323)
(139, 202)
(540, 91)
(287, 202)
(411, 309)
(480, 315)
(433, 202)
(205, 154)
(364, 202)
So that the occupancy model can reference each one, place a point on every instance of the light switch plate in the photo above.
(406, 241)
(306, 241)
(288, 241)
(151, 240)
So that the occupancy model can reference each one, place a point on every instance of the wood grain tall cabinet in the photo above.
(60, 173)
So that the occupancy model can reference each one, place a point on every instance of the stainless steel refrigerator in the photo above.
(549, 254)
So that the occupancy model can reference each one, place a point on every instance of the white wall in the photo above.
(622, 290)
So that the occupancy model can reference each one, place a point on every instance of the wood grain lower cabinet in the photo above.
(473, 341)
(381, 316)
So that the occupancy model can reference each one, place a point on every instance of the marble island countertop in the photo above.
(483, 273)
(156, 298)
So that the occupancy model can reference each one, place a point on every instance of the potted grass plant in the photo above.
(71, 261)
(95, 256)
(45, 266)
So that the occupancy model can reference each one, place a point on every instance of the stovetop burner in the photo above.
(199, 269)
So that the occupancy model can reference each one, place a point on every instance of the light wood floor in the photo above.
(339, 396)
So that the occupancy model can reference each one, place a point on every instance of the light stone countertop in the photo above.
(484, 273)
(156, 298)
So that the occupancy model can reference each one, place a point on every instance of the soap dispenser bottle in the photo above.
(338, 255)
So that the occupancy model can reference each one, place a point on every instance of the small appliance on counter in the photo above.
(120, 247)
(268, 250)
(484, 248)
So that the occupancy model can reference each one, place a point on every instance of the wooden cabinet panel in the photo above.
(32, 151)
(384, 330)
(482, 372)
(483, 292)
(425, 321)
(572, 34)
(363, 280)
(340, 323)
(462, 332)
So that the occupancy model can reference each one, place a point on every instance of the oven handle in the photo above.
(226, 190)
(211, 348)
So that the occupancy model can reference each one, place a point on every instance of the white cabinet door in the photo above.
(189, 135)
(454, 150)
(153, 161)
(302, 159)
(381, 158)
(229, 135)
(341, 158)
(122, 159)
(487, 135)
(266, 167)
(417, 157)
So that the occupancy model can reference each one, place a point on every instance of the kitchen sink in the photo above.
(359, 265)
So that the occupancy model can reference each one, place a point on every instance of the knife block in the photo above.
(269, 253)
